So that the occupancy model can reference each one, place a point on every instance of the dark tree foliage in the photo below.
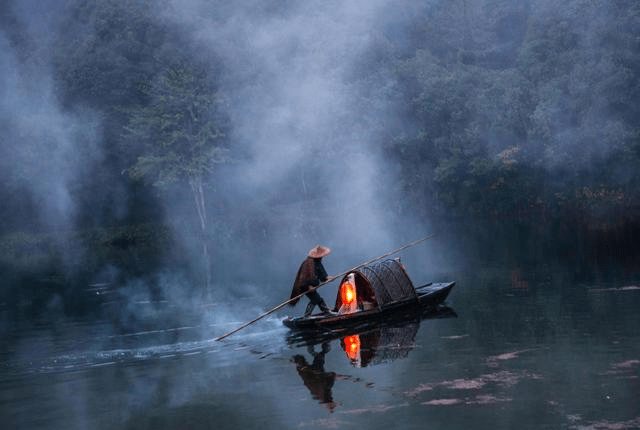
(507, 106)
(105, 48)
(105, 52)
(523, 109)
(491, 111)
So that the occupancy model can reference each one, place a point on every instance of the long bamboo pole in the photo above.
(331, 278)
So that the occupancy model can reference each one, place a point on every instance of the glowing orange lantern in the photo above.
(347, 293)
(352, 346)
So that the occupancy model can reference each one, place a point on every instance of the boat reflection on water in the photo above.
(380, 345)
(364, 345)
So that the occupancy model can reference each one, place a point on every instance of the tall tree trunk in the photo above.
(198, 195)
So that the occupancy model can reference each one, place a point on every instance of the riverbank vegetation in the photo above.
(509, 119)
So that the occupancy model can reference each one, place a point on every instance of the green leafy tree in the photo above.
(181, 135)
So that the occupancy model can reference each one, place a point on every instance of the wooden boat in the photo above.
(374, 292)
(392, 322)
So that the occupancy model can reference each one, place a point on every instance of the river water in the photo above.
(515, 349)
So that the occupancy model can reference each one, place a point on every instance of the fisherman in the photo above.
(311, 274)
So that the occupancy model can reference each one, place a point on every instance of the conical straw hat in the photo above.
(319, 251)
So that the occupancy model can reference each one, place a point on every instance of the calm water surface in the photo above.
(524, 350)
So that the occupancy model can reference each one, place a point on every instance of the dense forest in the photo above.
(137, 132)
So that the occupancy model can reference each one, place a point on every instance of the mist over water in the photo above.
(507, 128)
(310, 136)
(306, 107)
(45, 149)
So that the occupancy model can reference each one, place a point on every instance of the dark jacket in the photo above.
(310, 273)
